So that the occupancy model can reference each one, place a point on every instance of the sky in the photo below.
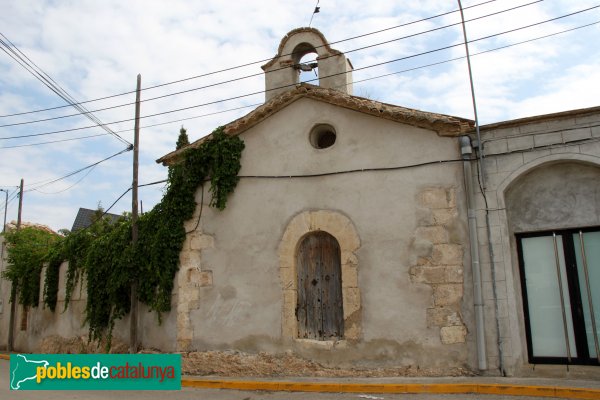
(95, 49)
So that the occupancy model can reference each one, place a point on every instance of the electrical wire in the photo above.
(43, 77)
(73, 185)
(395, 168)
(54, 141)
(200, 212)
(153, 183)
(10, 194)
(478, 53)
(105, 211)
(363, 170)
(354, 82)
(312, 80)
(254, 62)
(46, 183)
(131, 130)
(115, 202)
(12, 197)
(277, 69)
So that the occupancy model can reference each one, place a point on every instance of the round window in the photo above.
(322, 136)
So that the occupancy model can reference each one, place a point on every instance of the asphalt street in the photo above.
(215, 394)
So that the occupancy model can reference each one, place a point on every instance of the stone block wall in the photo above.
(511, 149)
(190, 278)
(439, 261)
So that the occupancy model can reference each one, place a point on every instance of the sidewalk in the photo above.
(572, 389)
(534, 387)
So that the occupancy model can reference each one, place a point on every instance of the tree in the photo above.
(27, 249)
(183, 139)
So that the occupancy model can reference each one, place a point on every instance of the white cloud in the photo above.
(96, 49)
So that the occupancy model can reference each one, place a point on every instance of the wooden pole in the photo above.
(133, 339)
(5, 209)
(13, 305)
(20, 205)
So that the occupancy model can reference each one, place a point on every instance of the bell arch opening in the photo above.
(307, 67)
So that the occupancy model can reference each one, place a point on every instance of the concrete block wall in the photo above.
(511, 149)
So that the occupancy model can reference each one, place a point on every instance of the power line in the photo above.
(70, 187)
(277, 69)
(9, 195)
(354, 82)
(54, 141)
(311, 80)
(115, 202)
(46, 183)
(43, 77)
(129, 130)
(13, 197)
(476, 54)
(153, 183)
(253, 62)
(105, 211)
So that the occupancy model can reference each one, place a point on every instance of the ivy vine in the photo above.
(28, 249)
(105, 255)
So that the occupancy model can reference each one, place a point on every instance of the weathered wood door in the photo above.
(320, 308)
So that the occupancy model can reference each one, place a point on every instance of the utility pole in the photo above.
(133, 323)
(4, 226)
(14, 289)
(20, 205)
(5, 209)
(3, 243)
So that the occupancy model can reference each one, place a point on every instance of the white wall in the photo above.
(243, 307)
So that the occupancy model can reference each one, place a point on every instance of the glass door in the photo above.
(560, 275)
(587, 252)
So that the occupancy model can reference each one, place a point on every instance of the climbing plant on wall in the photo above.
(104, 253)
(27, 250)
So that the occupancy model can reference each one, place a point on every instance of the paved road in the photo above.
(212, 394)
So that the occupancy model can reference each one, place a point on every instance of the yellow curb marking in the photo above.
(412, 388)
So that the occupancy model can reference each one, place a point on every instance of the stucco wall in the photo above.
(540, 174)
(4, 297)
(242, 306)
(556, 195)
(63, 326)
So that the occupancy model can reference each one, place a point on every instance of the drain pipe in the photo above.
(466, 150)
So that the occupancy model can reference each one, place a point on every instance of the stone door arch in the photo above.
(341, 228)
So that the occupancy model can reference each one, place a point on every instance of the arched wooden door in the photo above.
(319, 310)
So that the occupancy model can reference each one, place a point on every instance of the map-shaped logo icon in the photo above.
(22, 370)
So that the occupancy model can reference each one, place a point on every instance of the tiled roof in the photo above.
(444, 125)
(84, 218)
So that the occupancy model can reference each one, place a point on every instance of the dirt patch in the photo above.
(238, 364)
(79, 345)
